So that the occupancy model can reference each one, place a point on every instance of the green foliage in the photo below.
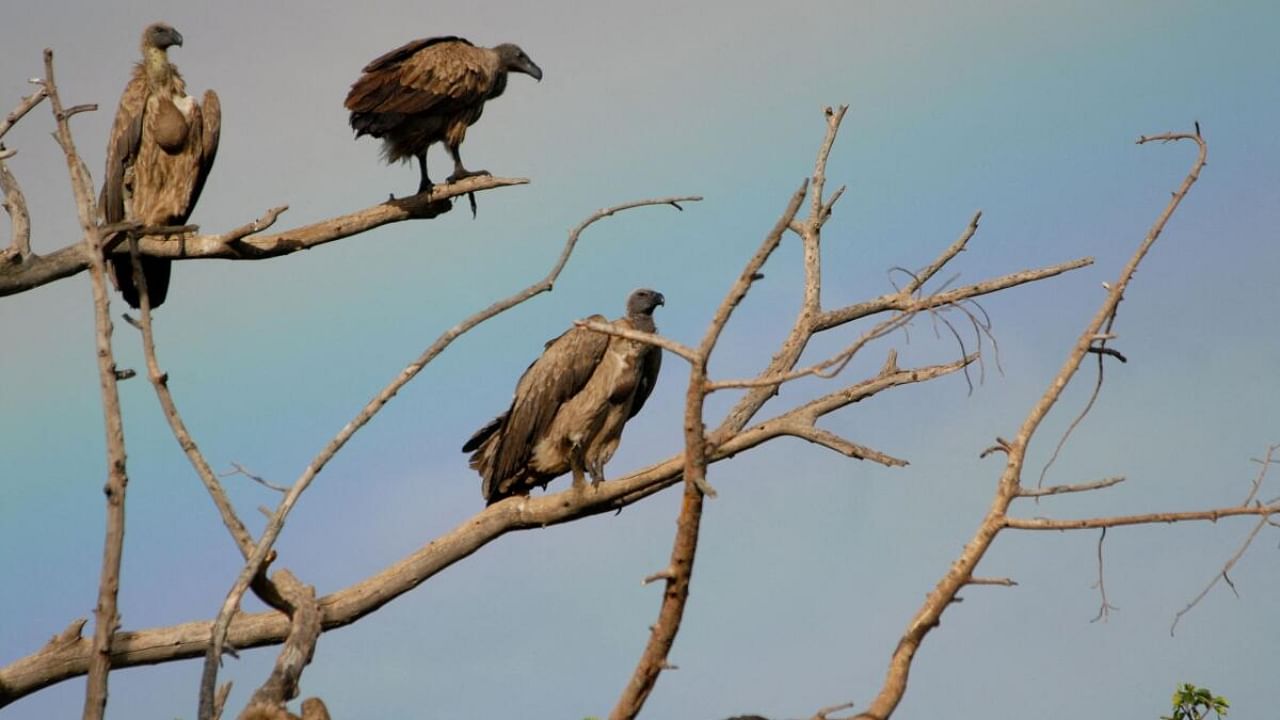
(1195, 703)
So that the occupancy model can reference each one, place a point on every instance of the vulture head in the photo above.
(514, 60)
(644, 301)
(161, 36)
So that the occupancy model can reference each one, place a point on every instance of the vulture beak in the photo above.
(661, 299)
(531, 69)
(177, 38)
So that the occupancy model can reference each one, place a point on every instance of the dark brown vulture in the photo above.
(430, 91)
(570, 406)
(161, 149)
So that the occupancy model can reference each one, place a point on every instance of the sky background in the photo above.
(810, 564)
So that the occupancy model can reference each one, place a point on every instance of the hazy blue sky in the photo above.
(810, 564)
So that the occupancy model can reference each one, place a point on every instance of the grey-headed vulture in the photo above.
(159, 155)
(430, 91)
(570, 406)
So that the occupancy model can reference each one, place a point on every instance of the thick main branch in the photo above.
(65, 659)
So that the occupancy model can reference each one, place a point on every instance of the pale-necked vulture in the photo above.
(430, 91)
(161, 148)
(570, 406)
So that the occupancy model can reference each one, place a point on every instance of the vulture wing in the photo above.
(402, 53)
(211, 113)
(122, 147)
(560, 373)
(437, 75)
(650, 364)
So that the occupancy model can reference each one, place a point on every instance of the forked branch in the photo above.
(1010, 486)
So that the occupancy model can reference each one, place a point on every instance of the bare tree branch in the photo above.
(160, 381)
(1264, 465)
(832, 441)
(106, 616)
(53, 664)
(304, 631)
(906, 303)
(15, 204)
(242, 244)
(1060, 489)
(24, 107)
(1213, 515)
(1001, 581)
(672, 346)
(1010, 484)
(1222, 574)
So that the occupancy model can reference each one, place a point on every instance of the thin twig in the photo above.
(24, 106)
(672, 346)
(832, 441)
(1222, 574)
(160, 382)
(1060, 489)
(1213, 515)
(824, 712)
(1002, 581)
(827, 369)
(1265, 463)
(906, 303)
(238, 469)
(1104, 610)
(253, 565)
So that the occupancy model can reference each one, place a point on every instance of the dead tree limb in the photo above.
(106, 616)
(1009, 486)
(55, 663)
(242, 244)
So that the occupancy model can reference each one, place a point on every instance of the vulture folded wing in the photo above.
(402, 53)
(650, 364)
(122, 147)
(439, 77)
(211, 112)
(560, 373)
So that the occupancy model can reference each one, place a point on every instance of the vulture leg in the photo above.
(460, 173)
(577, 463)
(424, 185)
(596, 470)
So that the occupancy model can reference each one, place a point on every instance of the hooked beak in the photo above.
(662, 299)
(177, 38)
(532, 70)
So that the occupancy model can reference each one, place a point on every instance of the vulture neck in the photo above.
(160, 73)
(643, 322)
(499, 84)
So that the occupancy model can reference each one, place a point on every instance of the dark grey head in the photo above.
(644, 301)
(161, 35)
(514, 60)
